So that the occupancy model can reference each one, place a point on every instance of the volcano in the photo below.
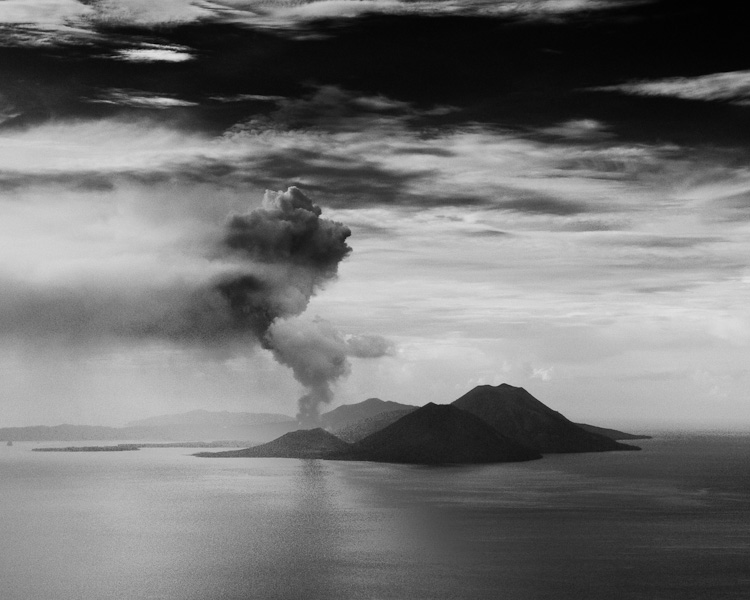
(516, 414)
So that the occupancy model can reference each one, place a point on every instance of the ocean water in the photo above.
(672, 521)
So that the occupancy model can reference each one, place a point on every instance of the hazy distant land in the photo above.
(117, 448)
(126, 447)
(488, 424)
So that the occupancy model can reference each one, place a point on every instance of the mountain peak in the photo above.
(515, 413)
(348, 414)
(440, 434)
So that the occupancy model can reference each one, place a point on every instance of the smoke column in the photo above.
(288, 233)
(243, 283)
(298, 251)
(318, 355)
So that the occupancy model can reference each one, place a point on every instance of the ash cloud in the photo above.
(244, 284)
(300, 250)
(288, 229)
(259, 267)
(318, 355)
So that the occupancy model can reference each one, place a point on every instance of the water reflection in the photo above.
(670, 521)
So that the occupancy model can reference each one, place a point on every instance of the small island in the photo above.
(117, 448)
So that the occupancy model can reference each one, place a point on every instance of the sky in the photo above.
(232, 205)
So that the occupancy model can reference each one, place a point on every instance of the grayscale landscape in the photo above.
(374, 299)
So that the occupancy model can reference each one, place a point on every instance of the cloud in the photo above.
(289, 230)
(731, 86)
(54, 22)
(627, 245)
(541, 205)
(330, 108)
(288, 13)
(49, 22)
(228, 284)
(41, 13)
(140, 100)
(579, 129)
(155, 54)
(231, 285)
(146, 13)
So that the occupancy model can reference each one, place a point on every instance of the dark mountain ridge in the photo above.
(516, 414)
(359, 430)
(440, 434)
(348, 414)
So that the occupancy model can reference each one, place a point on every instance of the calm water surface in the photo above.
(672, 521)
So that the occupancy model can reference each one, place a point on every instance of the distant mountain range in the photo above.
(197, 425)
(204, 417)
(350, 414)
(63, 433)
(488, 424)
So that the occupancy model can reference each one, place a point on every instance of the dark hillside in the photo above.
(440, 434)
(516, 414)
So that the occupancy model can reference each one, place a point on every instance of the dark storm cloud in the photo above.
(488, 233)
(533, 73)
(288, 229)
(544, 206)
(266, 265)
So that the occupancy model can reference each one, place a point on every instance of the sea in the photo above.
(669, 522)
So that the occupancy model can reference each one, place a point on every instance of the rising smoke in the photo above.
(318, 355)
(245, 287)
(288, 232)
(298, 250)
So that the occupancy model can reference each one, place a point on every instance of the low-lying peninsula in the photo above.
(117, 448)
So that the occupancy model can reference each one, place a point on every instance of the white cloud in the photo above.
(288, 13)
(146, 12)
(484, 263)
(66, 19)
(732, 86)
(583, 129)
(41, 13)
(155, 55)
(136, 100)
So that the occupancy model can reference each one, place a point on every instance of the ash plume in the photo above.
(241, 284)
(301, 252)
(318, 355)
(226, 287)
